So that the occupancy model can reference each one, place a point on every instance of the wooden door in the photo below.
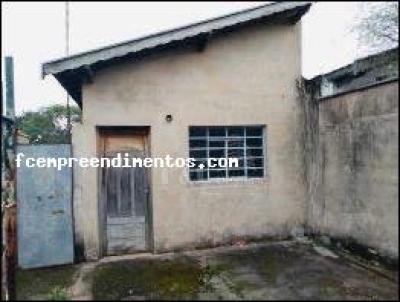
(125, 196)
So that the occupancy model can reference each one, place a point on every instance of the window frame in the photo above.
(226, 149)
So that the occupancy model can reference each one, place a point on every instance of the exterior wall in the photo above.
(80, 213)
(237, 80)
(358, 168)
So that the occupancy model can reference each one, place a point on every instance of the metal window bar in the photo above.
(226, 148)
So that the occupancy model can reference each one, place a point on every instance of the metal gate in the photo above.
(45, 235)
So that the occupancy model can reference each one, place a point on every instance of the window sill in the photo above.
(224, 181)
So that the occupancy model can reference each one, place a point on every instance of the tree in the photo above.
(48, 125)
(378, 26)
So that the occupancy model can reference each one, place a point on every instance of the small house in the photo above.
(224, 87)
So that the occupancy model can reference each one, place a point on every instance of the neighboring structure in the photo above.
(363, 72)
(226, 87)
(358, 167)
(356, 153)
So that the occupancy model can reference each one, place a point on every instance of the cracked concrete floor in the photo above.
(267, 271)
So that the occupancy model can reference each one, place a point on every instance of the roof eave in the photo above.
(73, 68)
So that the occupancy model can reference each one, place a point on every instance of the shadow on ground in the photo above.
(262, 271)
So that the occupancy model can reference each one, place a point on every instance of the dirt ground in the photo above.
(265, 271)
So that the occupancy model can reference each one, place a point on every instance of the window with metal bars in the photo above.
(246, 143)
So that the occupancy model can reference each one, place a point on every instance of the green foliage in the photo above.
(58, 293)
(48, 125)
(206, 276)
(45, 283)
(175, 279)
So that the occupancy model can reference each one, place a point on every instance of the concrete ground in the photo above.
(265, 271)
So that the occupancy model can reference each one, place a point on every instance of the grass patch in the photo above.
(236, 287)
(47, 283)
(269, 267)
(161, 279)
(207, 274)
(58, 294)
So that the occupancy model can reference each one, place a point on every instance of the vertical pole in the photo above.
(3, 137)
(3, 166)
(67, 53)
(69, 126)
(9, 210)
(10, 230)
(9, 65)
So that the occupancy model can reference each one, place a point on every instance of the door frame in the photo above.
(101, 132)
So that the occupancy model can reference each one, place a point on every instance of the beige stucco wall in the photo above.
(243, 78)
(358, 168)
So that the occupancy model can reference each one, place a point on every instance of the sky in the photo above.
(34, 32)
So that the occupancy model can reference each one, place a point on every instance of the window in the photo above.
(244, 143)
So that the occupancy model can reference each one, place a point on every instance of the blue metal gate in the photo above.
(45, 235)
